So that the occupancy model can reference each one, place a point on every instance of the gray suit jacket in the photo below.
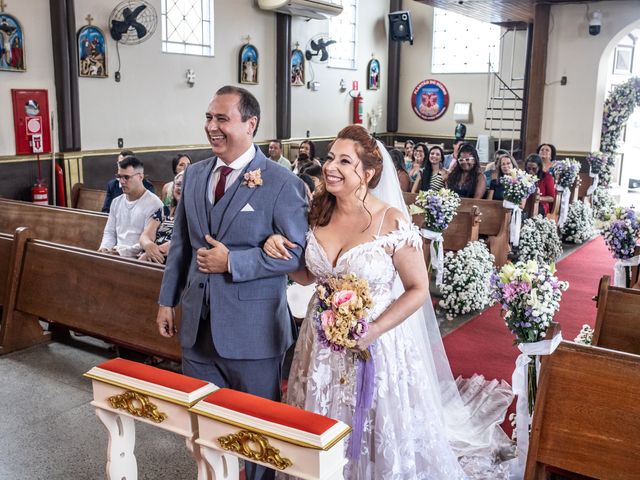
(249, 315)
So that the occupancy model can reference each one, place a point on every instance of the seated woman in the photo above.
(408, 154)
(433, 176)
(547, 153)
(155, 239)
(466, 179)
(398, 163)
(546, 184)
(505, 165)
(306, 156)
(419, 154)
(492, 167)
(179, 163)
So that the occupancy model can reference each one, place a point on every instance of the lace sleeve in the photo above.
(407, 233)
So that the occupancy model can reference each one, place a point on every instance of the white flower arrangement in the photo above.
(603, 206)
(539, 241)
(585, 336)
(518, 185)
(579, 226)
(466, 278)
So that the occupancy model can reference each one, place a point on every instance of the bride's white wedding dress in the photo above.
(406, 432)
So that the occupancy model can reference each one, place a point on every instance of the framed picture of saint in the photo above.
(297, 68)
(373, 74)
(11, 44)
(248, 65)
(92, 52)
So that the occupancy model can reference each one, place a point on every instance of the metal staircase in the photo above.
(503, 115)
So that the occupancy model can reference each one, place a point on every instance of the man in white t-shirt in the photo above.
(129, 212)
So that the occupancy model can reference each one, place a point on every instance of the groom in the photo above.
(236, 325)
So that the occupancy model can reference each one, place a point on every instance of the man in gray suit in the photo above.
(236, 325)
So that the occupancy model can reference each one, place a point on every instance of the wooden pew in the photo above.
(587, 414)
(85, 198)
(532, 205)
(618, 318)
(108, 297)
(495, 224)
(583, 185)
(6, 244)
(66, 226)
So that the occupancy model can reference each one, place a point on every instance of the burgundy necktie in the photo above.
(219, 191)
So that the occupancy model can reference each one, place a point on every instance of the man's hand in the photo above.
(214, 259)
(165, 321)
(109, 251)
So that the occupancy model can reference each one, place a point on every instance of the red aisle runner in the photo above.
(485, 346)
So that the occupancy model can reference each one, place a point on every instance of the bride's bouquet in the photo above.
(518, 185)
(438, 207)
(344, 303)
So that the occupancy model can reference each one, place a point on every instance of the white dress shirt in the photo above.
(237, 165)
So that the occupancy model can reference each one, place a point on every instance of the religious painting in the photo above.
(248, 68)
(11, 44)
(373, 74)
(430, 99)
(92, 52)
(297, 68)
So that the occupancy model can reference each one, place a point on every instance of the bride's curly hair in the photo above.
(324, 202)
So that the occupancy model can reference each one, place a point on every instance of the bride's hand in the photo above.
(276, 247)
(369, 337)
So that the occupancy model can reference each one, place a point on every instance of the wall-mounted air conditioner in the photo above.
(316, 9)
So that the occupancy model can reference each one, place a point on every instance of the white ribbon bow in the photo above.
(619, 277)
(437, 254)
(564, 204)
(519, 382)
(594, 183)
(516, 222)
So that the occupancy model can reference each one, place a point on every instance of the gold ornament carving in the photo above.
(137, 405)
(255, 447)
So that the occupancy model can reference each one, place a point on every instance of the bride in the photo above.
(419, 425)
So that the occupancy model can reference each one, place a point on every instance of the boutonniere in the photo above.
(253, 178)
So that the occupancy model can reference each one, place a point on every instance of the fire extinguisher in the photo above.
(61, 199)
(39, 191)
(358, 108)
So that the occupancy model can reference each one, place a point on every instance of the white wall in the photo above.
(572, 114)
(152, 105)
(38, 60)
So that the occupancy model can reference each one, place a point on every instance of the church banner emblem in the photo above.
(430, 99)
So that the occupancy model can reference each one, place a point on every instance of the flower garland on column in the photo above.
(617, 108)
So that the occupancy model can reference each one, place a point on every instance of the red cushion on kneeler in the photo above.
(155, 375)
(275, 412)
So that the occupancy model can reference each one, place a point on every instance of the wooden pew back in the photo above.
(66, 226)
(587, 414)
(618, 319)
(85, 198)
(6, 243)
(108, 297)
(495, 218)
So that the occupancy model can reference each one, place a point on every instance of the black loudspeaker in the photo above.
(400, 26)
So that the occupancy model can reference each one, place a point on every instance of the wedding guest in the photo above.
(115, 190)
(275, 154)
(408, 154)
(548, 154)
(419, 154)
(506, 164)
(433, 176)
(492, 167)
(450, 160)
(546, 184)
(130, 212)
(315, 172)
(179, 163)
(466, 179)
(155, 239)
(398, 162)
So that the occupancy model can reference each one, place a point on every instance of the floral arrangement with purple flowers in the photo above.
(622, 232)
(518, 185)
(342, 311)
(438, 207)
(565, 172)
(529, 295)
(597, 161)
